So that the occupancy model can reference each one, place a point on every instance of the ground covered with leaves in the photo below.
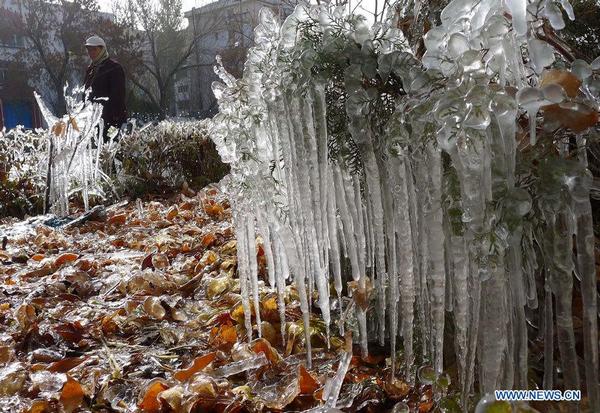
(140, 311)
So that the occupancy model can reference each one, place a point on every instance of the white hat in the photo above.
(95, 41)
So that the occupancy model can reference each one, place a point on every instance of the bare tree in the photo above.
(167, 46)
(54, 30)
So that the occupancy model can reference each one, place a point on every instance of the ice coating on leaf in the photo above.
(581, 69)
(554, 15)
(240, 366)
(541, 53)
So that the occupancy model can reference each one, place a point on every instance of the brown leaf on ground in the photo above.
(71, 395)
(149, 399)
(197, 365)
(308, 383)
(64, 365)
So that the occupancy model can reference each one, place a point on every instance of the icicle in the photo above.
(405, 254)
(253, 268)
(560, 247)
(335, 254)
(282, 274)
(586, 266)
(548, 380)
(437, 280)
(241, 233)
(461, 303)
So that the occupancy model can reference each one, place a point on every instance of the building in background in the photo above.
(17, 104)
(230, 39)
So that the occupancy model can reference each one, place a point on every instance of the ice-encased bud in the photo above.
(554, 93)
(471, 62)
(457, 10)
(541, 54)
(477, 117)
(554, 15)
(458, 44)
(596, 64)
(566, 5)
(581, 69)
(530, 98)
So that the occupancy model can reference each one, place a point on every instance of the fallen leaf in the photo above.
(308, 384)
(160, 261)
(65, 258)
(6, 354)
(172, 213)
(38, 257)
(173, 397)
(71, 395)
(64, 365)
(198, 364)
(209, 258)
(118, 219)
(154, 308)
(39, 406)
(209, 239)
(59, 128)
(260, 345)
(224, 334)
(147, 262)
(70, 332)
(150, 402)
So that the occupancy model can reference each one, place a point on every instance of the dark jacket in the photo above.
(108, 80)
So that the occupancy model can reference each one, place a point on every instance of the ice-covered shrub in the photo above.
(161, 157)
(21, 181)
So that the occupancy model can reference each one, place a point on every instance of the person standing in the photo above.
(105, 78)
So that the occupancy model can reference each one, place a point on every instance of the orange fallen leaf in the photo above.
(65, 258)
(39, 406)
(260, 345)
(425, 406)
(308, 384)
(64, 365)
(213, 209)
(150, 402)
(198, 364)
(209, 239)
(187, 206)
(225, 333)
(172, 212)
(118, 219)
(38, 257)
(71, 395)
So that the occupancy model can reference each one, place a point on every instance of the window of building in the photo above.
(3, 72)
(182, 88)
(13, 40)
